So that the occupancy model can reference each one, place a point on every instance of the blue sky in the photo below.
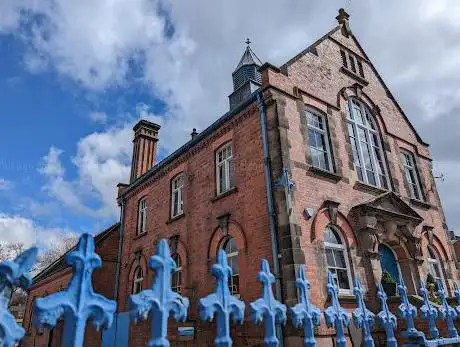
(75, 75)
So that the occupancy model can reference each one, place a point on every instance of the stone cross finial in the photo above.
(221, 304)
(267, 308)
(78, 303)
(343, 19)
(160, 300)
(248, 42)
(335, 315)
(362, 317)
(305, 313)
(14, 273)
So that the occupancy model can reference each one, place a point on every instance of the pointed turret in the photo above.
(246, 77)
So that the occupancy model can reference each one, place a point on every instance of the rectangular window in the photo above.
(224, 169)
(176, 196)
(318, 141)
(410, 173)
(142, 217)
(352, 63)
(344, 59)
(360, 68)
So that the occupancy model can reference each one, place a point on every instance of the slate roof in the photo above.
(248, 58)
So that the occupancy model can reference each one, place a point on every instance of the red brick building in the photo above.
(364, 202)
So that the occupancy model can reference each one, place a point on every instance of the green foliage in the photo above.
(387, 278)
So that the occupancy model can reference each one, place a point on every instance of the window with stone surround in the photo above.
(337, 259)
(411, 175)
(177, 185)
(435, 266)
(176, 280)
(352, 62)
(366, 146)
(225, 170)
(318, 140)
(230, 248)
(138, 280)
(142, 217)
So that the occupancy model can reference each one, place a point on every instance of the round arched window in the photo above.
(337, 258)
(176, 281)
(138, 280)
(229, 246)
(435, 266)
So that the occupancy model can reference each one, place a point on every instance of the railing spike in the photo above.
(429, 312)
(78, 303)
(448, 313)
(221, 304)
(267, 309)
(335, 315)
(160, 301)
(387, 320)
(14, 273)
(362, 317)
(305, 313)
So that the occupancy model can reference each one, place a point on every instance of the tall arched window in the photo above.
(366, 145)
(337, 259)
(142, 217)
(176, 281)
(435, 266)
(138, 280)
(229, 246)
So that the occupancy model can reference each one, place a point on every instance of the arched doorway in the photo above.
(390, 269)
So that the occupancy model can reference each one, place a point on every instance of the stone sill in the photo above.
(173, 219)
(354, 75)
(323, 173)
(368, 188)
(224, 194)
(421, 204)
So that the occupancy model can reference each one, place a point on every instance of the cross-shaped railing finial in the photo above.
(429, 312)
(362, 317)
(335, 315)
(14, 273)
(267, 308)
(448, 313)
(305, 313)
(408, 312)
(221, 303)
(78, 303)
(387, 320)
(160, 300)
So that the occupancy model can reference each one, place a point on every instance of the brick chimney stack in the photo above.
(144, 149)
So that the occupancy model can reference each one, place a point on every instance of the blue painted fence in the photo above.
(78, 304)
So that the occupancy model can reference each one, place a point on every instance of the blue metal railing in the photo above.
(79, 304)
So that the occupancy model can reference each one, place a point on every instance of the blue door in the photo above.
(117, 335)
(388, 262)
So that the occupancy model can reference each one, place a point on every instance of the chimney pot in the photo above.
(145, 148)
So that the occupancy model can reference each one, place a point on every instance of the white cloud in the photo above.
(5, 184)
(98, 117)
(17, 229)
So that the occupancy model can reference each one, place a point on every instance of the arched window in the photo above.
(318, 140)
(435, 266)
(366, 146)
(142, 217)
(337, 259)
(138, 280)
(229, 246)
(176, 281)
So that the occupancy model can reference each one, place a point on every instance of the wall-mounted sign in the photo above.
(186, 331)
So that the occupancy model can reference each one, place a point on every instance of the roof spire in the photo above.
(343, 19)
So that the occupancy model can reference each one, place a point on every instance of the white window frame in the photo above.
(351, 119)
(177, 287)
(435, 262)
(232, 256)
(228, 172)
(142, 217)
(341, 247)
(324, 133)
(177, 185)
(414, 187)
(138, 281)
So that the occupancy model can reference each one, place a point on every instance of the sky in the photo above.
(76, 75)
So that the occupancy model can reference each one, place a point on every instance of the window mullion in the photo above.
(361, 156)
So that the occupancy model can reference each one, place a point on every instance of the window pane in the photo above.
(339, 259)
(330, 258)
(342, 278)
(330, 236)
(231, 172)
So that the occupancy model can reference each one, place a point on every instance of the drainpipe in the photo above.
(120, 249)
(271, 210)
